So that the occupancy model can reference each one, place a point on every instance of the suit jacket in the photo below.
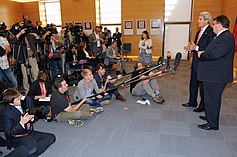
(109, 54)
(12, 126)
(93, 42)
(203, 42)
(216, 63)
(117, 37)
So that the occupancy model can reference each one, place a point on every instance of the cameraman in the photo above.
(25, 54)
(5, 49)
(54, 46)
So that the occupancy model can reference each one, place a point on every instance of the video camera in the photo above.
(75, 30)
(17, 27)
(3, 31)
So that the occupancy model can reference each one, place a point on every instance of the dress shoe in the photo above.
(198, 110)
(187, 105)
(121, 98)
(206, 127)
(203, 117)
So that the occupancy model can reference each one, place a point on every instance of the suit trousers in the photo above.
(212, 101)
(32, 145)
(193, 90)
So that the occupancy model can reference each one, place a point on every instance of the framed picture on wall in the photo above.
(128, 24)
(155, 26)
(128, 27)
(69, 23)
(141, 24)
(88, 25)
(155, 23)
(78, 23)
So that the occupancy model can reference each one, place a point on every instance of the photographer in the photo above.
(25, 53)
(18, 129)
(55, 49)
(5, 71)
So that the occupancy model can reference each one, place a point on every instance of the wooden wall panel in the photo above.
(149, 9)
(78, 10)
(31, 10)
(11, 12)
(212, 6)
(229, 9)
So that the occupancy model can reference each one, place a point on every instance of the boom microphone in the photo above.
(160, 61)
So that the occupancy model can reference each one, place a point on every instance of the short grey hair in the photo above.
(206, 16)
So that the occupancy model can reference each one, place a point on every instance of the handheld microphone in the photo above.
(160, 61)
(177, 59)
(168, 59)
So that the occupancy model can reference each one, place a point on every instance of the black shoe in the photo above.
(206, 127)
(203, 117)
(198, 110)
(1, 153)
(187, 105)
(121, 98)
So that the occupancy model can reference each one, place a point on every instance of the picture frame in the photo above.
(68, 23)
(78, 23)
(88, 25)
(128, 27)
(128, 24)
(155, 23)
(141, 24)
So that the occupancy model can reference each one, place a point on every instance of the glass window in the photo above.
(110, 12)
(53, 13)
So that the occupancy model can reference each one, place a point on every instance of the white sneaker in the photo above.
(145, 102)
(97, 110)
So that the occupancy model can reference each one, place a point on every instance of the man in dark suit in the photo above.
(117, 37)
(18, 129)
(202, 39)
(215, 70)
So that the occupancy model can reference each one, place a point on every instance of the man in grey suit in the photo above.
(113, 57)
(95, 42)
(215, 70)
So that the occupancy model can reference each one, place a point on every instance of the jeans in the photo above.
(111, 86)
(10, 76)
(56, 67)
(96, 102)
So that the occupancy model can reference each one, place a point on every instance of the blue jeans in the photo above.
(9, 74)
(56, 67)
(111, 86)
(96, 102)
